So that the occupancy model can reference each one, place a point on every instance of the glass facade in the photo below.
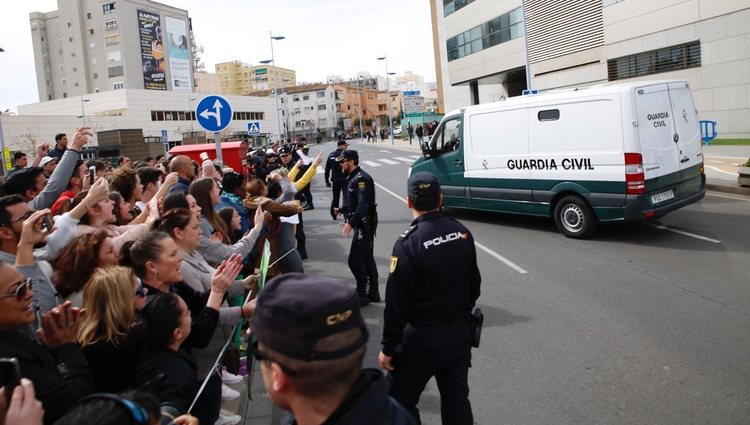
(450, 6)
(491, 33)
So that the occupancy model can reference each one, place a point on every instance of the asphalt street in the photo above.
(645, 323)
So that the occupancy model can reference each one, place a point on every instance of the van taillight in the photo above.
(634, 177)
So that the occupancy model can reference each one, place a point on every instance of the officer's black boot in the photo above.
(362, 293)
(373, 293)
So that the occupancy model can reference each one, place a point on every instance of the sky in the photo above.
(323, 37)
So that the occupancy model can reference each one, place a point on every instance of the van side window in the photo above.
(448, 136)
(549, 115)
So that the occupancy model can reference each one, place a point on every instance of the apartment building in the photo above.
(92, 46)
(239, 78)
(483, 47)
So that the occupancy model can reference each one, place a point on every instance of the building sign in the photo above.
(152, 51)
(179, 56)
(261, 71)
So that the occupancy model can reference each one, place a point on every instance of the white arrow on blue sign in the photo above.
(253, 128)
(214, 113)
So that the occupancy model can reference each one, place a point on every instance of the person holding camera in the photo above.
(432, 287)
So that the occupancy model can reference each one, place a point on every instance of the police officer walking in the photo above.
(361, 218)
(432, 287)
(334, 177)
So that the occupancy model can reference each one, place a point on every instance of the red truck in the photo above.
(234, 154)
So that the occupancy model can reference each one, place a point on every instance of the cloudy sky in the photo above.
(323, 37)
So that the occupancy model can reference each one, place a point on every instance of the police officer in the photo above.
(432, 287)
(334, 177)
(361, 218)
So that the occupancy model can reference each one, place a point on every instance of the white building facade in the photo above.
(483, 49)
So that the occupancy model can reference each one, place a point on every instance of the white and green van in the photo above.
(612, 153)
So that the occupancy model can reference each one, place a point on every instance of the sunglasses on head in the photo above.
(261, 356)
(21, 290)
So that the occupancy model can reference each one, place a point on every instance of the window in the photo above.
(88, 15)
(110, 24)
(118, 85)
(42, 39)
(75, 69)
(114, 56)
(450, 6)
(320, 94)
(295, 98)
(112, 40)
(70, 39)
(75, 84)
(96, 75)
(115, 71)
(91, 31)
(606, 3)
(68, 24)
(73, 54)
(448, 137)
(63, 80)
(668, 59)
(491, 33)
(108, 8)
(321, 107)
(305, 97)
(92, 45)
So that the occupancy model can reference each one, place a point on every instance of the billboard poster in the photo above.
(179, 56)
(152, 51)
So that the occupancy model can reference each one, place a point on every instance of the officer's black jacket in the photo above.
(333, 168)
(359, 199)
(434, 278)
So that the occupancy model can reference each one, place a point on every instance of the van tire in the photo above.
(575, 218)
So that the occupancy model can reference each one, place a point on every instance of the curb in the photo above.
(736, 190)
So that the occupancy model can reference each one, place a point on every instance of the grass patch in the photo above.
(730, 142)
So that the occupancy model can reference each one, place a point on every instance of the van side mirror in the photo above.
(427, 151)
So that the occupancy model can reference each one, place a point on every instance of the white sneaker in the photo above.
(225, 419)
(228, 393)
(230, 378)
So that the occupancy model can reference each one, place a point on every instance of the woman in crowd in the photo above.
(231, 219)
(162, 367)
(257, 193)
(212, 251)
(78, 261)
(110, 298)
(184, 228)
(122, 209)
(206, 193)
(59, 389)
(102, 216)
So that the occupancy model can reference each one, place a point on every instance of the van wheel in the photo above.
(575, 218)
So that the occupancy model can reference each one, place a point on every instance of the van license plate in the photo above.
(661, 197)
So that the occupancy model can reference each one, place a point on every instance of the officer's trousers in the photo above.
(444, 352)
(361, 259)
(337, 186)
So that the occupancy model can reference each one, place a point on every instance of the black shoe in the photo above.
(373, 296)
(308, 207)
(363, 301)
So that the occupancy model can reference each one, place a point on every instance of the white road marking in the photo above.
(320, 170)
(720, 170)
(680, 232)
(385, 151)
(371, 163)
(401, 158)
(415, 156)
(492, 253)
(736, 198)
(388, 161)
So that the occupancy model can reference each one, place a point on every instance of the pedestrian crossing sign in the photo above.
(253, 128)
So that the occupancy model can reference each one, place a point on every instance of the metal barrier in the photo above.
(708, 131)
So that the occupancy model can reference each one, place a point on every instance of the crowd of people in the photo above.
(119, 286)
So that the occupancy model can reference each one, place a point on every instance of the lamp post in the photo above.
(359, 94)
(388, 90)
(275, 91)
(83, 112)
(190, 114)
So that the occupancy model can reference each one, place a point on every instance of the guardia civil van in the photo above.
(611, 153)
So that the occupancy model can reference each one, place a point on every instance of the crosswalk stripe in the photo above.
(319, 170)
(401, 158)
(371, 163)
(415, 156)
(388, 161)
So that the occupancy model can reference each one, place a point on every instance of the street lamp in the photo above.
(359, 94)
(275, 91)
(388, 89)
(190, 113)
(83, 112)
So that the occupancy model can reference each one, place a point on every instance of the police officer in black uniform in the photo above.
(334, 176)
(432, 287)
(361, 218)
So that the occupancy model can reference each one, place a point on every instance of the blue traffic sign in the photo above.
(214, 113)
(411, 93)
(164, 136)
(253, 128)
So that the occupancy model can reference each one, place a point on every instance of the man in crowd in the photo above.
(20, 161)
(61, 144)
(150, 178)
(77, 182)
(311, 342)
(234, 192)
(431, 289)
(361, 218)
(183, 166)
(126, 181)
(48, 165)
(334, 177)
(124, 162)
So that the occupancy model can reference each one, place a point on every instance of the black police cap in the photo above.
(348, 154)
(422, 185)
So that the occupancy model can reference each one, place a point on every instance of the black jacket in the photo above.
(61, 377)
(359, 201)
(368, 403)
(172, 376)
(434, 277)
(333, 168)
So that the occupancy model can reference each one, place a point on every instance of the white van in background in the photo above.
(613, 153)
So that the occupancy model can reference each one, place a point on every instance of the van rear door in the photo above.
(687, 137)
